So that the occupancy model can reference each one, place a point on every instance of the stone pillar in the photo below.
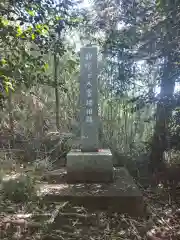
(89, 164)
(89, 100)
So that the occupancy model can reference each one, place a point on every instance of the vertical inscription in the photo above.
(89, 97)
(89, 102)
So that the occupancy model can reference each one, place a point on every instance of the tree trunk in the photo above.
(56, 91)
(11, 119)
(163, 115)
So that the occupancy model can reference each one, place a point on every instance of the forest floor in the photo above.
(73, 222)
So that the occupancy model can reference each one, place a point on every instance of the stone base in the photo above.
(55, 176)
(89, 167)
(121, 196)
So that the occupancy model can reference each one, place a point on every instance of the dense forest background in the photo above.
(138, 45)
(139, 68)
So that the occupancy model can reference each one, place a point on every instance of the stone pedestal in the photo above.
(107, 187)
(122, 195)
(89, 167)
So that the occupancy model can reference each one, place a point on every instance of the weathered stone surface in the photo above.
(55, 176)
(89, 121)
(122, 195)
(90, 167)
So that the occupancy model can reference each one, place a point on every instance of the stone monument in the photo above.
(108, 187)
(89, 164)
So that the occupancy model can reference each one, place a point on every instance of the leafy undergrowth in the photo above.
(164, 220)
(24, 221)
(16, 221)
(73, 222)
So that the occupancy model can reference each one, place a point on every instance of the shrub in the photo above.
(19, 189)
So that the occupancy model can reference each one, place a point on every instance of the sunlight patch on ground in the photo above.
(55, 188)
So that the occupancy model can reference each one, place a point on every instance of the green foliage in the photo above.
(28, 36)
(126, 131)
(18, 66)
(19, 189)
(147, 31)
(174, 129)
(172, 157)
